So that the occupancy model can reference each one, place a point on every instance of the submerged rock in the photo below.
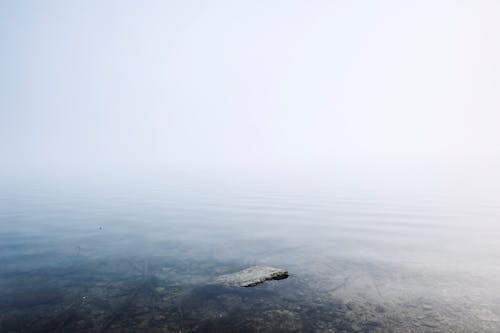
(252, 276)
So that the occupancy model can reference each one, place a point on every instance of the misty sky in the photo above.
(246, 86)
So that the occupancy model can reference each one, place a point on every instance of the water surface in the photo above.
(145, 260)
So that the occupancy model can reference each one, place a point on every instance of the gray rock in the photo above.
(252, 276)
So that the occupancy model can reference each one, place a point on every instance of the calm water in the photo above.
(145, 260)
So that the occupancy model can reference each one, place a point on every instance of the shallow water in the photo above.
(145, 260)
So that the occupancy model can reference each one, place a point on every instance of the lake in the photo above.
(133, 259)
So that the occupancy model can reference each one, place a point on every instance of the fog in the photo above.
(166, 89)
(148, 148)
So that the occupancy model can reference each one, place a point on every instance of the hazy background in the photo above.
(350, 90)
(149, 144)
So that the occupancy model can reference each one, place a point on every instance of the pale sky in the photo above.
(157, 87)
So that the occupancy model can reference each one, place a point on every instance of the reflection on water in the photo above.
(146, 261)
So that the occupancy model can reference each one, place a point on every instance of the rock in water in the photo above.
(252, 276)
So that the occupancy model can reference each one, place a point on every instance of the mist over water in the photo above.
(148, 148)
(118, 89)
